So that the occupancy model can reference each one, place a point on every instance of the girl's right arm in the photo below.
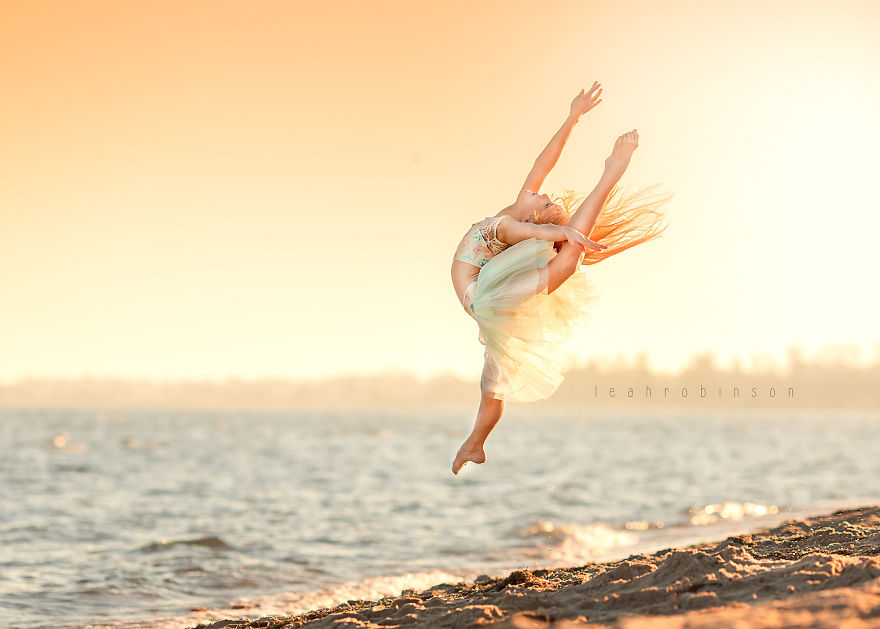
(512, 231)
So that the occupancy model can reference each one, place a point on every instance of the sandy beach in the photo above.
(818, 572)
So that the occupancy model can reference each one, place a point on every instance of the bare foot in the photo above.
(623, 149)
(468, 452)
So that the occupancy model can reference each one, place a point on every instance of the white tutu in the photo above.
(522, 326)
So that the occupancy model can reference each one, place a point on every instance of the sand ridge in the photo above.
(818, 572)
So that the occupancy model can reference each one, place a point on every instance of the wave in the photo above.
(572, 542)
(211, 541)
(700, 515)
(293, 603)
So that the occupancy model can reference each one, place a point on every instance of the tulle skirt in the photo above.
(522, 325)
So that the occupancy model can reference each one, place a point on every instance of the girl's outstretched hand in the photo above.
(578, 239)
(583, 103)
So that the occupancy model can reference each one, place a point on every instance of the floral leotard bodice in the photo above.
(480, 243)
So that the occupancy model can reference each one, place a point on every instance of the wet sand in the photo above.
(818, 572)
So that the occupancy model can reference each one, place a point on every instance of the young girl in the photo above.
(527, 293)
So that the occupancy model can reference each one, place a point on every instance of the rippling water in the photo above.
(134, 515)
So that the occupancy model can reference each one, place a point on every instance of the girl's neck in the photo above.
(512, 210)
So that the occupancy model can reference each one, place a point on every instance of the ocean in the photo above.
(128, 517)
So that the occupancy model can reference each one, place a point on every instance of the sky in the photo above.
(276, 189)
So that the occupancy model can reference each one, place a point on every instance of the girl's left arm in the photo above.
(581, 104)
(512, 231)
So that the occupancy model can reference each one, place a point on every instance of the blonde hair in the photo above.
(626, 219)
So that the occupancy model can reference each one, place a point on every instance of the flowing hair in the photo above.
(626, 219)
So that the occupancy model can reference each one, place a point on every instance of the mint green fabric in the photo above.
(522, 326)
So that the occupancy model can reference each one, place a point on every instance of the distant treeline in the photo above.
(822, 383)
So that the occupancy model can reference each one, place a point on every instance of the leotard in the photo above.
(480, 243)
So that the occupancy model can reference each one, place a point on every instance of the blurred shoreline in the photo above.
(826, 382)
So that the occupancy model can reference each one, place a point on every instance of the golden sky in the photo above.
(212, 189)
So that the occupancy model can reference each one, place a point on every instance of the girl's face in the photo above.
(534, 204)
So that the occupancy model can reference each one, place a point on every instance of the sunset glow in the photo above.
(276, 189)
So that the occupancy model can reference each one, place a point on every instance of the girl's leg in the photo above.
(567, 261)
(487, 417)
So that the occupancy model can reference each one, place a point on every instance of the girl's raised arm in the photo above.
(581, 104)
(512, 231)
